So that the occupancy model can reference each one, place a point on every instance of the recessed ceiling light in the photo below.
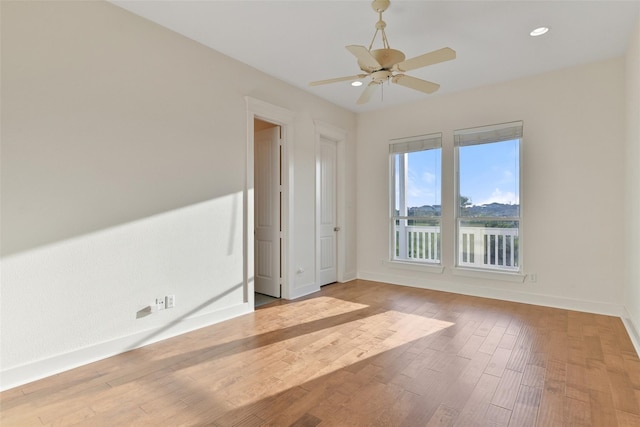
(539, 31)
(356, 83)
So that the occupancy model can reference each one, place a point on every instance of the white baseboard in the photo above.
(609, 309)
(633, 330)
(347, 277)
(302, 290)
(596, 307)
(23, 374)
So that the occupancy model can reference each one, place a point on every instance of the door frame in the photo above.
(258, 109)
(339, 136)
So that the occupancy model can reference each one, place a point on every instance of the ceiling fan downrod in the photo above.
(380, 6)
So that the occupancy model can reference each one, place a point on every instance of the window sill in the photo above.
(427, 268)
(514, 277)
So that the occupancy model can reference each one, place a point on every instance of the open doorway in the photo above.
(267, 212)
(281, 119)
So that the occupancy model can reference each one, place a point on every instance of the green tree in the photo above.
(465, 202)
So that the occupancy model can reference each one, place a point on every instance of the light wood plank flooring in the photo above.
(359, 354)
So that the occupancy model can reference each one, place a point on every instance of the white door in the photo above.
(267, 211)
(328, 226)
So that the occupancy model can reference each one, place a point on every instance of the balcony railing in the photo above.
(488, 247)
(480, 247)
(418, 243)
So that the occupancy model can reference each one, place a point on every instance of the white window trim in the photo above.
(410, 145)
(505, 276)
(423, 267)
(489, 134)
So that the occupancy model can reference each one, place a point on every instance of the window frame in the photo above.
(478, 136)
(409, 145)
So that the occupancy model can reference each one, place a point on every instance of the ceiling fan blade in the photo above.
(367, 92)
(365, 59)
(414, 83)
(435, 57)
(338, 79)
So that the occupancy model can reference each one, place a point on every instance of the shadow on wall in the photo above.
(174, 322)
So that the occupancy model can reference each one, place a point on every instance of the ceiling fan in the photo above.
(387, 64)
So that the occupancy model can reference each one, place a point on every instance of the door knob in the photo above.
(336, 228)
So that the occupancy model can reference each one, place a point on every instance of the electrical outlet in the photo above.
(533, 277)
(160, 303)
(170, 301)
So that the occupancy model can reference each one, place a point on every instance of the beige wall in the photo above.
(632, 179)
(573, 233)
(124, 152)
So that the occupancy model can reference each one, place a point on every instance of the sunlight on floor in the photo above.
(321, 350)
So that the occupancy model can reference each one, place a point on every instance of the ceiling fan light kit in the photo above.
(539, 31)
(387, 64)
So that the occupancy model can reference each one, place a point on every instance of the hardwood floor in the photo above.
(359, 354)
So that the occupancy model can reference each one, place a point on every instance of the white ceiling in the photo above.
(304, 40)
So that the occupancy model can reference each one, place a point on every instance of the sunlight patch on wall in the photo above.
(88, 289)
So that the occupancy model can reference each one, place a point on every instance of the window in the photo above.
(415, 198)
(488, 197)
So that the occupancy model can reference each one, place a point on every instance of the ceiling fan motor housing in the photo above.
(381, 76)
(387, 58)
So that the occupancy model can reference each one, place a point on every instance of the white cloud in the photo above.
(507, 198)
(428, 178)
(420, 189)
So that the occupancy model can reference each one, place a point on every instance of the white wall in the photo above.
(573, 232)
(632, 193)
(123, 170)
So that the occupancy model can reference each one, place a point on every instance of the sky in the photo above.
(424, 178)
(488, 174)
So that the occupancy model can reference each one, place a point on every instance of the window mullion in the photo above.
(402, 205)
